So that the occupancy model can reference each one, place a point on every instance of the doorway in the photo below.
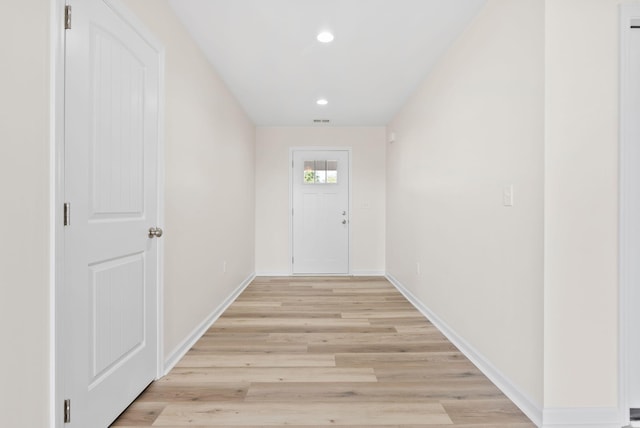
(320, 211)
(108, 296)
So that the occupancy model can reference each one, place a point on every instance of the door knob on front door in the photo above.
(344, 221)
(155, 232)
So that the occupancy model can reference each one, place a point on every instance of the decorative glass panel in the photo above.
(332, 172)
(309, 172)
(320, 172)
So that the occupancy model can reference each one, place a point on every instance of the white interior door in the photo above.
(111, 163)
(320, 211)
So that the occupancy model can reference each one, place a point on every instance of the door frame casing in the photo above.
(629, 212)
(57, 197)
(291, 177)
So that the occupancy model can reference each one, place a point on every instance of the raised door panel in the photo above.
(116, 313)
(117, 149)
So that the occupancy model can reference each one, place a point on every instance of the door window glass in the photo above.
(320, 172)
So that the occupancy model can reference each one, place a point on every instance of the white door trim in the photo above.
(56, 199)
(629, 209)
(316, 148)
(57, 194)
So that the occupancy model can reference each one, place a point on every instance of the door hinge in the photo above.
(67, 411)
(67, 213)
(67, 17)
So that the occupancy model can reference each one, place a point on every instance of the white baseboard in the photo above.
(201, 329)
(364, 272)
(579, 417)
(353, 273)
(273, 273)
(520, 399)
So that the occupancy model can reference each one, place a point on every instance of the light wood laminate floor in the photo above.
(339, 352)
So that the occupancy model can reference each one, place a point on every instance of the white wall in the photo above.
(210, 166)
(475, 125)
(272, 193)
(581, 173)
(24, 214)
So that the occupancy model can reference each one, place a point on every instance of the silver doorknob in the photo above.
(344, 221)
(155, 232)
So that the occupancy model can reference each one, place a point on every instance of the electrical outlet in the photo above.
(507, 195)
(224, 267)
(417, 268)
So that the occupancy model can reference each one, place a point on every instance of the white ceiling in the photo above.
(267, 53)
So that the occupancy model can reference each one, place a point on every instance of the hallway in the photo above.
(323, 352)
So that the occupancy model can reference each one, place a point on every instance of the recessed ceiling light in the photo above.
(322, 102)
(325, 37)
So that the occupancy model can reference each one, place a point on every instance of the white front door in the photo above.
(109, 328)
(320, 211)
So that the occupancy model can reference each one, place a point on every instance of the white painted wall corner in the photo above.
(184, 346)
(519, 398)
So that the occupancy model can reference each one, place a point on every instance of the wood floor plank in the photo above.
(269, 374)
(382, 347)
(396, 360)
(286, 322)
(416, 320)
(370, 392)
(434, 372)
(281, 313)
(335, 299)
(140, 414)
(418, 328)
(497, 410)
(349, 284)
(388, 292)
(260, 360)
(256, 348)
(346, 305)
(323, 352)
(408, 313)
(275, 414)
(303, 329)
(347, 338)
(175, 391)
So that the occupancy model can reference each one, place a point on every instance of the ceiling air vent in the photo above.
(321, 121)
